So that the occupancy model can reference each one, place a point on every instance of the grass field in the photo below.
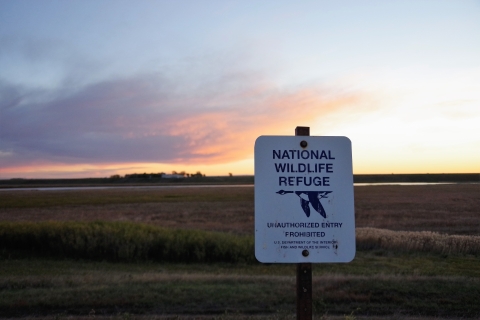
(392, 277)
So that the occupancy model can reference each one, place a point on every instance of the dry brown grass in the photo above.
(423, 241)
(213, 209)
(235, 217)
(450, 209)
(419, 218)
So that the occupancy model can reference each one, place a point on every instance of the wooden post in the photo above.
(304, 270)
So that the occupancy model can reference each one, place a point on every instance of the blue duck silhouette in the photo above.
(308, 198)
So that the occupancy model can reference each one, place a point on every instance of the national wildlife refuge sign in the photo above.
(304, 209)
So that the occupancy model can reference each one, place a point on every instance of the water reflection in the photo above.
(401, 183)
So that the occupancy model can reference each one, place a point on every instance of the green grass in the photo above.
(112, 269)
(126, 241)
(404, 284)
(121, 241)
(66, 268)
(366, 264)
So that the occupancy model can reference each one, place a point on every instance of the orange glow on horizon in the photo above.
(242, 167)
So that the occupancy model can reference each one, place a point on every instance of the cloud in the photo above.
(153, 118)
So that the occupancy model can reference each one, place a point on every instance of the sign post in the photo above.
(304, 210)
(304, 270)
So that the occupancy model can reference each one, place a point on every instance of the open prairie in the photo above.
(444, 208)
(408, 280)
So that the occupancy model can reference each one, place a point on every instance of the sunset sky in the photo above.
(93, 88)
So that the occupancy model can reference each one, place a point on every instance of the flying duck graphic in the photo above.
(308, 198)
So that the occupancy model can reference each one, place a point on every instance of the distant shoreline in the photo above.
(239, 180)
(423, 177)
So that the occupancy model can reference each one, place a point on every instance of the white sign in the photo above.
(304, 209)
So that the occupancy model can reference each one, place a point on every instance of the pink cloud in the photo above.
(228, 135)
(149, 119)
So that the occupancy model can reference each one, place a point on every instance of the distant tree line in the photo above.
(160, 175)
